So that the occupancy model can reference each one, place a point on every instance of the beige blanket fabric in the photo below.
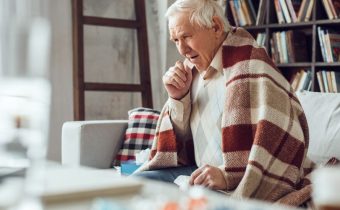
(264, 129)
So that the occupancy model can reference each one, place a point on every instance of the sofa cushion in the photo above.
(139, 134)
(323, 116)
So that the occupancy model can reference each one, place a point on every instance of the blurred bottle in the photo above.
(25, 94)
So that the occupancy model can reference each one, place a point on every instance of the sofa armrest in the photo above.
(92, 143)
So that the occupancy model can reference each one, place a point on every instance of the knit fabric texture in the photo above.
(264, 129)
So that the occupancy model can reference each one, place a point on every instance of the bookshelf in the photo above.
(314, 61)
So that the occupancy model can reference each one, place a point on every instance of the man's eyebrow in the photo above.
(179, 34)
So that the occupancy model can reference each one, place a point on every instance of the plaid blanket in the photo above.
(264, 129)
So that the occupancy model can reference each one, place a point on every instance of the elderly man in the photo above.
(232, 121)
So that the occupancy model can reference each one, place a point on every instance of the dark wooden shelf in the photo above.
(282, 25)
(323, 64)
(260, 27)
(291, 25)
(327, 22)
(318, 18)
(292, 65)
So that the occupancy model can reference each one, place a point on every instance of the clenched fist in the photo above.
(177, 80)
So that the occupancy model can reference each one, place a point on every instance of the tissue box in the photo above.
(128, 167)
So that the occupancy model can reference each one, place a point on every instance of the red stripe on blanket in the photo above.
(235, 169)
(237, 54)
(252, 76)
(129, 136)
(146, 116)
(279, 143)
(273, 176)
(272, 138)
(125, 157)
(166, 141)
(237, 138)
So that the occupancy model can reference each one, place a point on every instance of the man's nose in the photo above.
(183, 48)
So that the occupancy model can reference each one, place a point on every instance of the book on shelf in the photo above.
(337, 80)
(294, 45)
(305, 83)
(277, 54)
(322, 45)
(329, 44)
(279, 13)
(278, 43)
(291, 47)
(320, 81)
(309, 10)
(305, 10)
(332, 8)
(291, 10)
(285, 11)
(234, 13)
(240, 13)
(334, 83)
(248, 14)
(261, 12)
(327, 9)
(261, 39)
(325, 81)
(294, 81)
(284, 46)
(329, 81)
(243, 12)
(274, 51)
(252, 9)
(301, 80)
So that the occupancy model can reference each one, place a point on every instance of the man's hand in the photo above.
(177, 80)
(208, 176)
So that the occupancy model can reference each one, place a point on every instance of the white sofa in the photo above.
(95, 143)
(91, 143)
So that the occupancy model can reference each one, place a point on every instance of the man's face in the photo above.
(192, 41)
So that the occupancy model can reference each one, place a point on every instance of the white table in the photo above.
(140, 194)
(68, 188)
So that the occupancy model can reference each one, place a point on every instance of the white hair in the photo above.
(200, 12)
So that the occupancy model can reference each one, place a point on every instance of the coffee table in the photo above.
(87, 188)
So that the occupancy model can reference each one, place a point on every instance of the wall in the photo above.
(163, 54)
(61, 73)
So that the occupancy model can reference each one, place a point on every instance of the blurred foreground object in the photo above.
(326, 185)
(25, 94)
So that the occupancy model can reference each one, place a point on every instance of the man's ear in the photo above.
(218, 26)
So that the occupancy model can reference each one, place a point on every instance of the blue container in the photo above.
(128, 167)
